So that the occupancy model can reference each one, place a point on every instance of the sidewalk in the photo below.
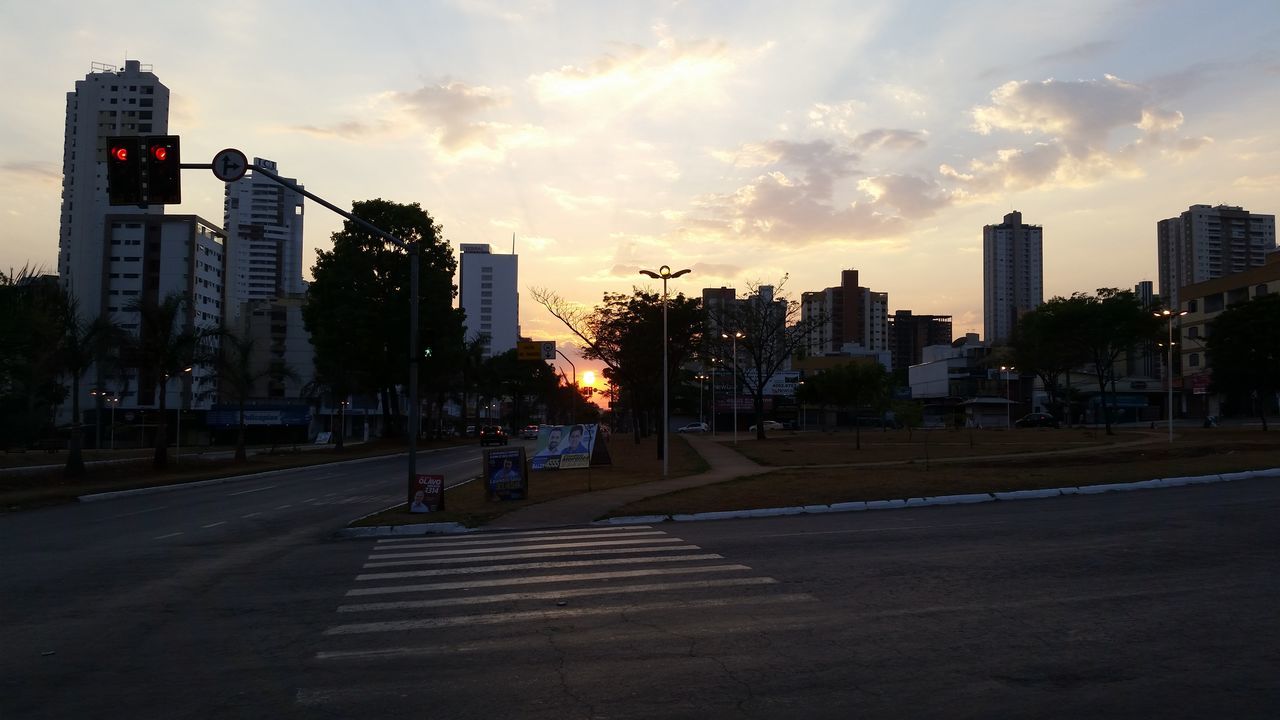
(725, 463)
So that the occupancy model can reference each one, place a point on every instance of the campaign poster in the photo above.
(426, 494)
(564, 447)
(504, 474)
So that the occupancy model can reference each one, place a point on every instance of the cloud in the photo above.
(39, 171)
(889, 139)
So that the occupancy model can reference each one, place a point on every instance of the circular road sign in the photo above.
(229, 165)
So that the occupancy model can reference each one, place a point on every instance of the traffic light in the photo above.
(163, 172)
(124, 170)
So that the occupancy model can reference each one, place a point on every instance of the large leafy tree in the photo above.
(1104, 326)
(1044, 343)
(765, 330)
(357, 308)
(32, 310)
(1244, 351)
(84, 343)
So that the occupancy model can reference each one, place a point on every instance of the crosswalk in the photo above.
(421, 597)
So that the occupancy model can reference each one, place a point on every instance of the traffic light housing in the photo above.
(163, 175)
(144, 170)
(124, 170)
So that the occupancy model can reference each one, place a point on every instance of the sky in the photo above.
(748, 141)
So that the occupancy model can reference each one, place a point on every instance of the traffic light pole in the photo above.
(414, 270)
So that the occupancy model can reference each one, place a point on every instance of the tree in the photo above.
(1104, 326)
(1044, 343)
(238, 372)
(166, 346)
(32, 307)
(861, 385)
(1243, 346)
(83, 343)
(771, 332)
(357, 307)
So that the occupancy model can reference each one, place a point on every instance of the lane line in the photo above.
(139, 512)
(309, 500)
(253, 514)
(537, 579)
(162, 537)
(284, 507)
(557, 594)
(559, 614)
(246, 492)
(210, 525)
(518, 548)
(533, 566)
(562, 531)
(885, 529)
(501, 541)
(531, 555)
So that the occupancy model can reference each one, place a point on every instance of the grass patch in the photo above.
(632, 464)
(1195, 452)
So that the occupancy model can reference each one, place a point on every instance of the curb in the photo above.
(397, 530)
(116, 494)
(941, 499)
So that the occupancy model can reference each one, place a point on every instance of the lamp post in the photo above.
(664, 273)
(800, 391)
(734, 337)
(713, 396)
(177, 434)
(1168, 373)
(1008, 408)
(114, 400)
(701, 416)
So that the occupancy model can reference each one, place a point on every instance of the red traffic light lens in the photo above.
(160, 153)
(120, 153)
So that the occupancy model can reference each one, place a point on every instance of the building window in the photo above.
(1193, 360)
(1260, 290)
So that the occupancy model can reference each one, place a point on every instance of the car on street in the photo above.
(693, 427)
(530, 432)
(493, 434)
(768, 426)
(1033, 420)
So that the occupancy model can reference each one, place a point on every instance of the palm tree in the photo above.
(83, 343)
(238, 374)
(166, 345)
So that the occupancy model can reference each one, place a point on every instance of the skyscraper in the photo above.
(1012, 275)
(487, 293)
(1206, 242)
(911, 334)
(263, 222)
(852, 315)
(107, 102)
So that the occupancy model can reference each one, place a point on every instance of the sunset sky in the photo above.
(743, 140)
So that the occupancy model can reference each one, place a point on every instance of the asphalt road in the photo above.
(1142, 604)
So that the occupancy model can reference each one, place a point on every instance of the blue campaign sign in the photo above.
(260, 415)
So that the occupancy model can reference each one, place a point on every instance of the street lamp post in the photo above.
(701, 417)
(713, 396)
(664, 273)
(114, 400)
(734, 337)
(1008, 408)
(177, 435)
(1168, 372)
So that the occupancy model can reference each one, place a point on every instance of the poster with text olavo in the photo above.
(426, 494)
(564, 447)
(504, 474)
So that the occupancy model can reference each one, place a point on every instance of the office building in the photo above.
(280, 339)
(263, 223)
(910, 334)
(1012, 275)
(849, 318)
(487, 293)
(1204, 243)
(107, 102)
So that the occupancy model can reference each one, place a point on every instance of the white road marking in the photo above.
(530, 555)
(308, 500)
(534, 580)
(557, 614)
(246, 492)
(139, 512)
(533, 566)
(220, 522)
(507, 541)
(884, 529)
(162, 537)
(251, 515)
(554, 546)
(284, 507)
(557, 594)
(629, 528)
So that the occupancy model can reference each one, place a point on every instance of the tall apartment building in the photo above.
(911, 334)
(851, 315)
(106, 103)
(1206, 242)
(152, 257)
(1012, 275)
(263, 223)
(487, 293)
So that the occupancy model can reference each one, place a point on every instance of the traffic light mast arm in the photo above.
(414, 352)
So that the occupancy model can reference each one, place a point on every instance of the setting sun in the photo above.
(589, 378)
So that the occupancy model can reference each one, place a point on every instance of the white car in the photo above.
(769, 425)
(694, 427)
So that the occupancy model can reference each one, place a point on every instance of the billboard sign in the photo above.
(426, 494)
(504, 474)
(564, 447)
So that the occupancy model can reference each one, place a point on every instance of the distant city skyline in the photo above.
(744, 140)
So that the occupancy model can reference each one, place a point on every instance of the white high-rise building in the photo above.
(263, 222)
(1012, 275)
(487, 293)
(1206, 242)
(106, 103)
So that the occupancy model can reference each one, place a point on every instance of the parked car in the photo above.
(768, 425)
(1036, 420)
(493, 434)
(530, 432)
(693, 427)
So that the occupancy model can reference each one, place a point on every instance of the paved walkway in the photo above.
(725, 463)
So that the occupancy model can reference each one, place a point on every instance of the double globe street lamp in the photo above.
(734, 337)
(1168, 379)
(664, 273)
